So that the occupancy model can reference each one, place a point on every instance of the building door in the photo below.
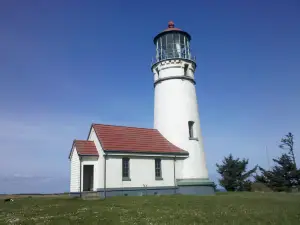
(88, 177)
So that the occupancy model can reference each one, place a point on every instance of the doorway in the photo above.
(88, 177)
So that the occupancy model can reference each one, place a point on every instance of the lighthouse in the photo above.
(176, 114)
(168, 159)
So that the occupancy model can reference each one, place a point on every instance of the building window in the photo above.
(192, 132)
(191, 129)
(186, 66)
(158, 169)
(125, 169)
(157, 72)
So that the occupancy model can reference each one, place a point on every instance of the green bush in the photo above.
(260, 187)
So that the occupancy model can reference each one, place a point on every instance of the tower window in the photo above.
(186, 66)
(125, 169)
(157, 72)
(158, 169)
(191, 129)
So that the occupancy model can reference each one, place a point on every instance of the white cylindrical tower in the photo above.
(176, 114)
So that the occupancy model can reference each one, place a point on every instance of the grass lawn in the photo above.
(233, 208)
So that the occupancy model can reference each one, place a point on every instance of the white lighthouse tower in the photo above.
(176, 114)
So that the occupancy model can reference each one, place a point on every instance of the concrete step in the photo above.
(90, 198)
(91, 195)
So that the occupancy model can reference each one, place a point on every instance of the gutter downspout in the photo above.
(174, 174)
(80, 175)
(105, 176)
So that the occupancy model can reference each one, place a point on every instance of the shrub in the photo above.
(257, 186)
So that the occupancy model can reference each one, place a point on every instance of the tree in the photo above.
(284, 175)
(287, 143)
(234, 175)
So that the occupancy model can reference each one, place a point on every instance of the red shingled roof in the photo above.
(85, 147)
(133, 139)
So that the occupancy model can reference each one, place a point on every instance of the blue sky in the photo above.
(66, 64)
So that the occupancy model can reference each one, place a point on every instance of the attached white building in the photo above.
(169, 159)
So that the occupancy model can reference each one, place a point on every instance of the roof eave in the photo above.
(146, 152)
(91, 127)
(97, 155)
(71, 151)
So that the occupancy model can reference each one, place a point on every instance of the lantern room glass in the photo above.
(173, 45)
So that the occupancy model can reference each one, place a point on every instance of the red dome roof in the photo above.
(171, 28)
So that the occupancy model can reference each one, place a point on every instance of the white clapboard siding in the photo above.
(75, 172)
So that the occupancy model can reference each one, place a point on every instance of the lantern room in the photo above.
(172, 43)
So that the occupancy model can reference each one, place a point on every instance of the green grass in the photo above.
(233, 208)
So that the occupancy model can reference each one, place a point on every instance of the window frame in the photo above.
(126, 178)
(158, 168)
(185, 71)
(191, 130)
